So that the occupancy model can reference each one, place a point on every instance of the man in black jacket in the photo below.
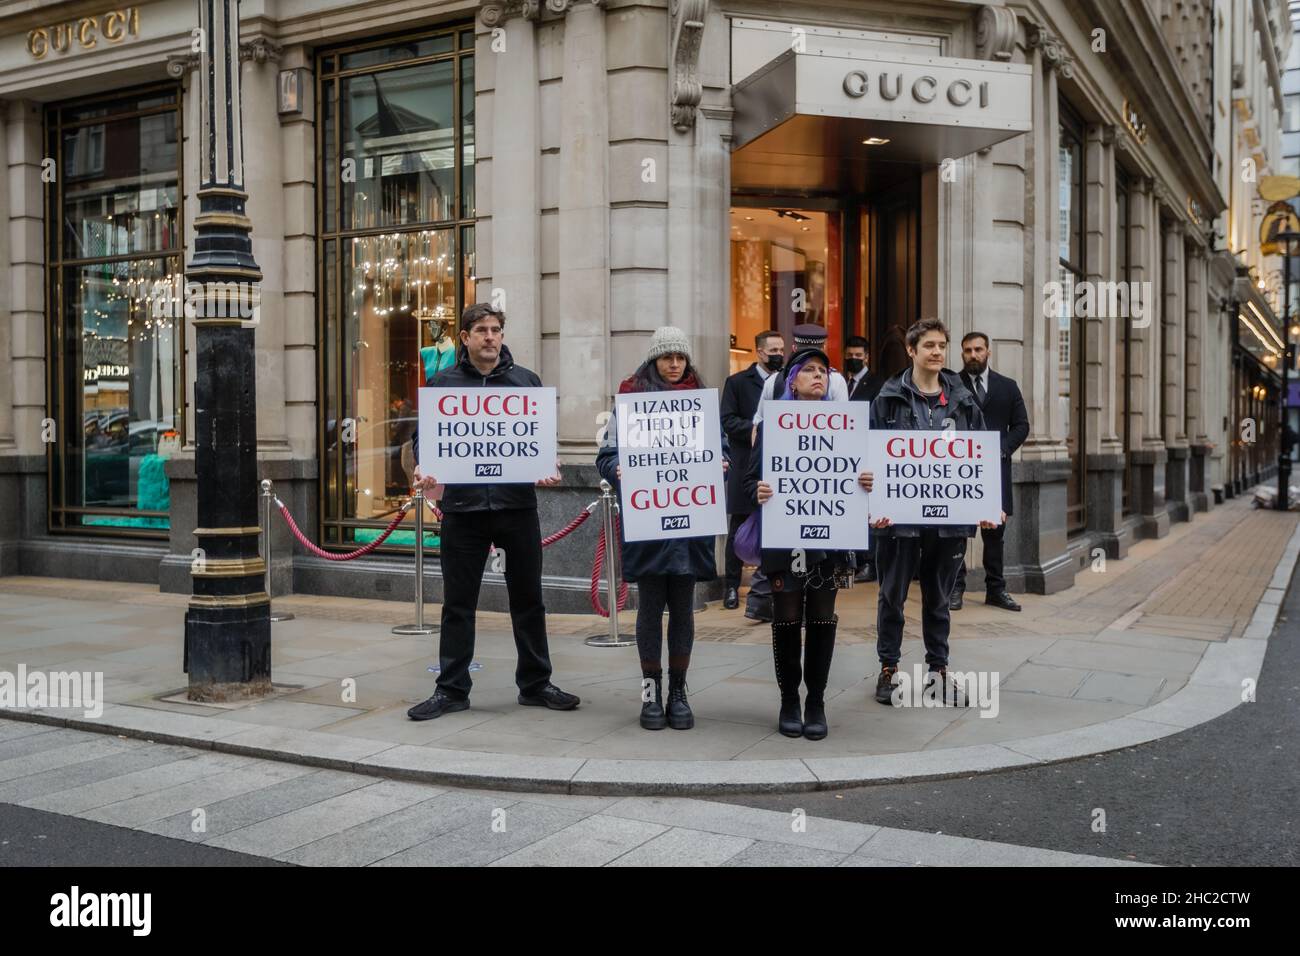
(864, 386)
(925, 397)
(1004, 411)
(739, 402)
(473, 518)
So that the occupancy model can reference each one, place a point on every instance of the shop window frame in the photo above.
(57, 511)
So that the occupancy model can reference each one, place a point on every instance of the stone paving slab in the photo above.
(1071, 689)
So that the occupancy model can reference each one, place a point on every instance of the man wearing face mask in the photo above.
(863, 387)
(1004, 411)
(739, 402)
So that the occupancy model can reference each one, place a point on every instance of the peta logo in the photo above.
(675, 523)
(487, 471)
(103, 909)
(934, 511)
(814, 531)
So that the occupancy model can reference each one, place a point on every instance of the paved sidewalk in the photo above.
(1150, 645)
(329, 818)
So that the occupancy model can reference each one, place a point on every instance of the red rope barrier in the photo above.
(329, 555)
(569, 528)
(597, 566)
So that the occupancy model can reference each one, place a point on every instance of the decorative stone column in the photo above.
(1103, 336)
(1147, 457)
(1173, 325)
(583, 228)
(1036, 535)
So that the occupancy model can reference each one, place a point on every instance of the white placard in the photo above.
(812, 455)
(670, 450)
(934, 478)
(487, 435)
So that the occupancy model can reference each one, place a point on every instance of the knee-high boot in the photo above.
(785, 654)
(818, 649)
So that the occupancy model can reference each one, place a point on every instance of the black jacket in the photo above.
(1005, 413)
(775, 560)
(867, 389)
(464, 375)
(739, 402)
(674, 556)
(900, 406)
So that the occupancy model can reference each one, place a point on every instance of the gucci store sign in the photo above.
(900, 106)
(84, 33)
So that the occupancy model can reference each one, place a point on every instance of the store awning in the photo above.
(826, 109)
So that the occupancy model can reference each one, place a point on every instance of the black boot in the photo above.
(652, 710)
(818, 649)
(679, 711)
(785, 654)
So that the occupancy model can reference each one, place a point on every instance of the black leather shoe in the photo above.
(732, 600)
(885, 685)
(814, 720)
(789, 723)
(436, 706)
(761, 616)
(552, 697)
(1001, 599)
(678, 710)
(866, 575)
(955, 602)
(652, 710)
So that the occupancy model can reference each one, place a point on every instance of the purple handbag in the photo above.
(748, 538)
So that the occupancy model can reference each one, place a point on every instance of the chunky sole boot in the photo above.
(885, 686)
(679, 711)
(785, 655)
(819, 646)
(652, 710)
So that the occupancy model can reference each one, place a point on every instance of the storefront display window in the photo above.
(116, 377)
(396, 260)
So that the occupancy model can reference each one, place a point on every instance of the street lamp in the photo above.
(228, 622)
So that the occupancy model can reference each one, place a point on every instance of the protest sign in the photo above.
(812, 455)
(670, 450)
(922, 477)
(487, 435)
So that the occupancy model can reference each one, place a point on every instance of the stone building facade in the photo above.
(1074, 179)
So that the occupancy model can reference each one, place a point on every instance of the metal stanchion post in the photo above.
(608, 507)
(268, 495)
(419, 627)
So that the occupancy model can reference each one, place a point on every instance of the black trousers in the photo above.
(466, 537)
(935, 560)
(734, 567)
(994, 580)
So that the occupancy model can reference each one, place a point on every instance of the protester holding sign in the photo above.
(926, 397)
(666, 568)
(476, 516)
(804, 581)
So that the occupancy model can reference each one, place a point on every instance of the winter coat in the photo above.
(686, 556)
(776, 560)
(484, 497)
(901, 406)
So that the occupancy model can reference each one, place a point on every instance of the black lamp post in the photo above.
(1285, 238)
(228, 623)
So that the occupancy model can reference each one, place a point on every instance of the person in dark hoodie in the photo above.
(664, 571)
(804, 581)
(925, 397)
(474, 517)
